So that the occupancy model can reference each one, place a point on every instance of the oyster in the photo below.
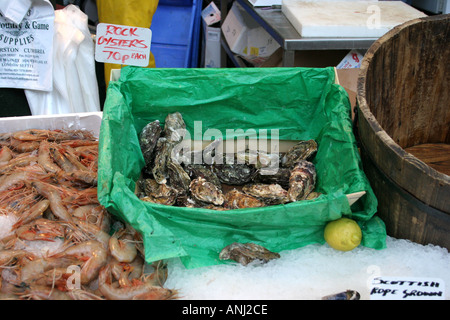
(269, 193)
(302, 180)
(158, 193)
(258, 159)
(206, 192)
(178, 178)
(273, 175)
(268, 160)
(234, 173)
(235, 199)
(184, 200)
(204, 171)
(148, 139)
(248, 157)
(198, 156)
(163, 153)
(174, 127)
(244, 253)
(303, 150)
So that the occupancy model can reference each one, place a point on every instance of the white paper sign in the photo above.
(26, 49)
(123, 44)
(396, 288)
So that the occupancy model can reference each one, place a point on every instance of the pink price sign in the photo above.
(123, 44)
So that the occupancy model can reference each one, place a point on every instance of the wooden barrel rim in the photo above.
(438, 192)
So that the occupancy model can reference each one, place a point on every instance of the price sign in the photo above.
(123, 44)
(395, 288)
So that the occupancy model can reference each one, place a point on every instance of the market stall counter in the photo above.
(292, 104)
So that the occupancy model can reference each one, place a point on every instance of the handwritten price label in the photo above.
(123, 44)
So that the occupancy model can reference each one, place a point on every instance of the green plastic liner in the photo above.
(301, 103)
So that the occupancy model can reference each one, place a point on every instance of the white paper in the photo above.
(407, 288)
(124, 45)
(26, 48)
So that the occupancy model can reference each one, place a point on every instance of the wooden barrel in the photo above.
(403, 125)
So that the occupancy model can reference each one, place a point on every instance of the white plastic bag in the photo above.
(75, 87)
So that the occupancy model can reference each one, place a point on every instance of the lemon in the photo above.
(343, 234)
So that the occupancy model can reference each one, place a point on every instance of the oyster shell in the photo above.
(158, 193)
(147, 140)
(244, 253)
(235, 199)
(178, 178)
(269, 193)
(174, 127)
(258, 159)
(303, 150)
(163, 153)
(234, 173)
(268, 160)
(273, 175)
(206, 192)
(199, 157)
(302, 180)
(204, 171)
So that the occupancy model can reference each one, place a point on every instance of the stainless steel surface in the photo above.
(278, 26)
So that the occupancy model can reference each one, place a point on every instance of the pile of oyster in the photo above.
(173, 177)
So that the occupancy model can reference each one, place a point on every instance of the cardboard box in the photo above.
(211, 47)
(235, 28)
(246, 37)
(348, 78)
(72, 121)
(351, 60)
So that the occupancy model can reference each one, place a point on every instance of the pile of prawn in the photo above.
(48, 186)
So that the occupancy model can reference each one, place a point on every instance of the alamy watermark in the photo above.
(251, 146)
(374, 20)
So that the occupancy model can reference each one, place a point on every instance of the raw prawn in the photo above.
(61, 160)
(83, 197)
(123, 271)
(123, 249)
(24, 146)
(35, 211)
(18, 162)
(73, 159)
(56, 203)
(52, 135)
(94, 214)
(6, 154)
(83, 231)
(44, 158)
(16, 178)
(35, 267)
(41, 229)
(94, 255)
(9, 256)
(142, 290)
